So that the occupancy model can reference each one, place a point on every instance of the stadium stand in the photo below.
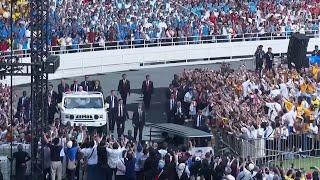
(82, 24)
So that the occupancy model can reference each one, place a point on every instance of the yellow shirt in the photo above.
(295, 75)
(310, 89)
(315, 103)
(21, 2)
(16, 16)
(308, 113)
(288, 178)
(314, 71)
(288, 105)
(303, 88)
(238, 88)
(300, 110)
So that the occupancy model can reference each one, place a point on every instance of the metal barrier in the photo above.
(174, 41)
(5, 154)
(5, 163)
(295, 149)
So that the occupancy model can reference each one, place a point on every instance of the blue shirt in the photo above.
(205, 30)
(25, 44)
(130, 172)
(252, 7)
(22, 32)
(4, 33)
(71, 153)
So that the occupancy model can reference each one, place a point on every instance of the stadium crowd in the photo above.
(104, 21)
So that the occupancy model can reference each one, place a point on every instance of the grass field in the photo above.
(301, 163)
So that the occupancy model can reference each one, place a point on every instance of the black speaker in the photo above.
(52, 64)
(297, 51)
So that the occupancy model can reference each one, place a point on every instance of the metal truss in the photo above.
(39, 79)
(39, 16)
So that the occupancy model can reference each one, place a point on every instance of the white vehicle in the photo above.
(83, 108)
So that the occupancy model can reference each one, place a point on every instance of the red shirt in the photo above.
(54, 41)
(4, 46)
(91, 37)
(213, 19)
(233, 17)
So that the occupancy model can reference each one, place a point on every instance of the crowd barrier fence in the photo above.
(294, 149)
(5, 156)
(174, 41)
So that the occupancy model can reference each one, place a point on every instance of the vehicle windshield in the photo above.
(83, 102)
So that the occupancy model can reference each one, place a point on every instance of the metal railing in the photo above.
(174, 41)
(5, 162)
(294, 149)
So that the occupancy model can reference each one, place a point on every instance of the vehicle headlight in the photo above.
(96, 116)
(101, 116)
(67, 116)
(71, 116)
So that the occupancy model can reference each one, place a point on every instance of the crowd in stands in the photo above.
(102, 21)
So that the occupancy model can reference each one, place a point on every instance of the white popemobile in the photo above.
(83, 108)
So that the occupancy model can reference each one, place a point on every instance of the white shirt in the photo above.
(192, 109)
(101, 42)
(289, 117)
(274, 109)
(120, 113)
(199, 120)
(245, 86)
(269, 133)
(62, 41)
(305, 104)
(112, 101)
(113, 156)
(253, 134)
(171, 104)
(275, 93)
(121, 167)
(28, 33)
(284, 90)
(80, 137)
(260, 133)
(94, 157)
(314, 131)
(3, 134)
(187, 97)
(162, 25)
(68, 41)
(284, 133)
(163, 152)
